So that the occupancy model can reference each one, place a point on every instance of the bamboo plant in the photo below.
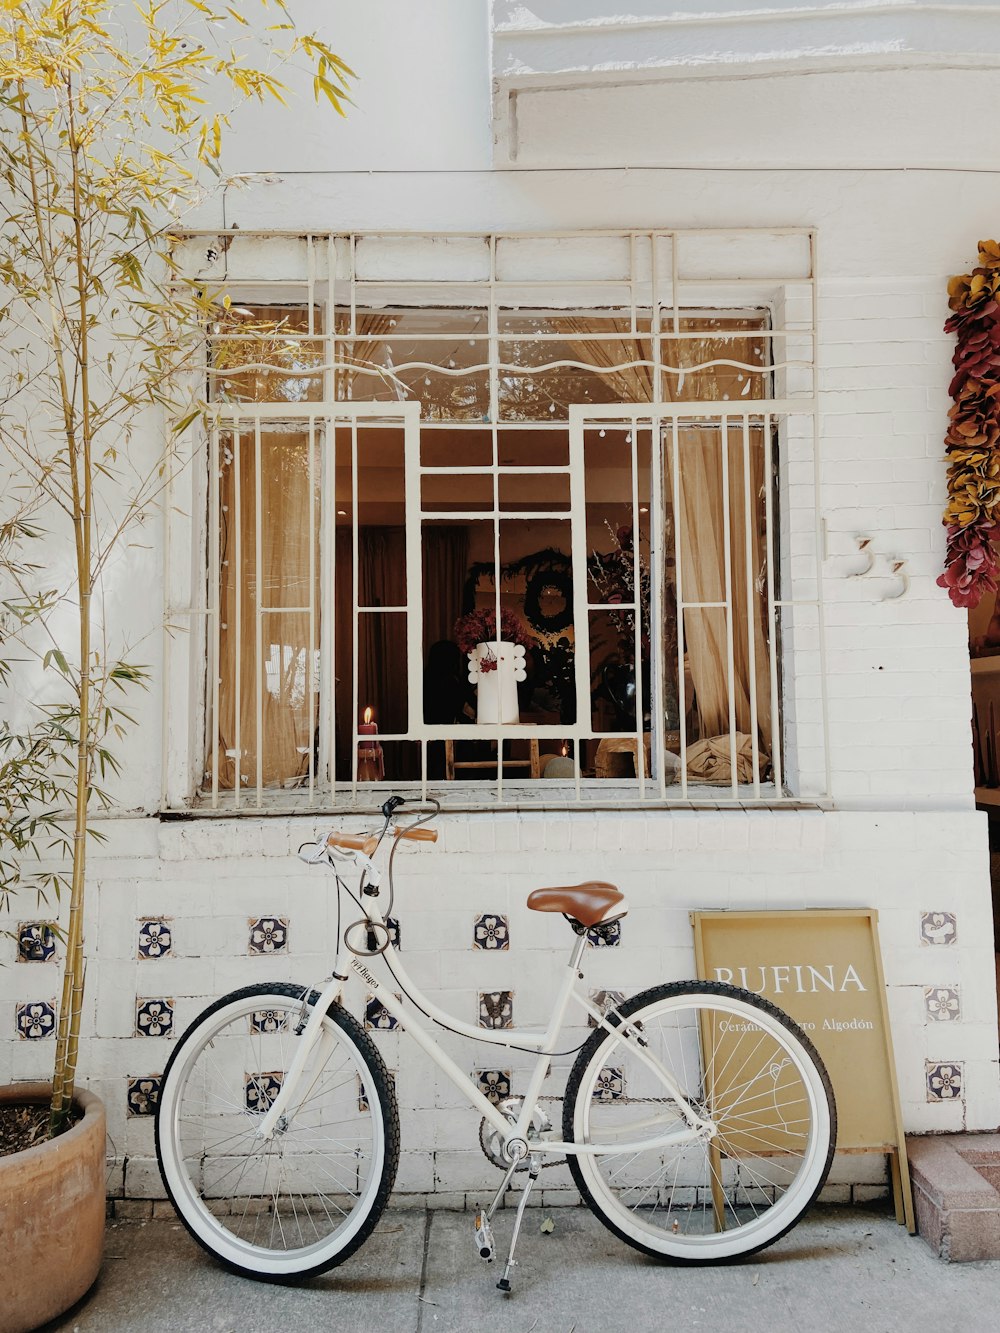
(113, 117)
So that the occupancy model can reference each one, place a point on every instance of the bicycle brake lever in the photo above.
(315, 854)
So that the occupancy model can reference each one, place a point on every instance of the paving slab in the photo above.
(840, 1271)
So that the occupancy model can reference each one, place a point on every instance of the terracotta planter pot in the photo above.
(51, 1215)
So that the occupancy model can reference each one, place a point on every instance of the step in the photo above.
(956, 1194)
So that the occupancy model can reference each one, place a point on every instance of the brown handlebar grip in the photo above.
(418, 834)
(352, 843)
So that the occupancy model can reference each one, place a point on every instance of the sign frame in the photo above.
(893, 1144)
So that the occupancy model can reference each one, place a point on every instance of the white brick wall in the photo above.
(902, 863)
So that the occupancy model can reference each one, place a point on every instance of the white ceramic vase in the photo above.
(496, 690)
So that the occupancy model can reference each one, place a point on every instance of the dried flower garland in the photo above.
(972, 443)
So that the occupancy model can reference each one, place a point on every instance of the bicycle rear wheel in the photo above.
(305, 1200)
(740, 1063)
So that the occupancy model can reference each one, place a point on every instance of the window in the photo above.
(406, 455)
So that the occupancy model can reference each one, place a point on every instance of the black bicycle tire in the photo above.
(601, 1035)
(380, 1082)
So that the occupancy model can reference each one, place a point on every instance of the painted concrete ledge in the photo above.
(956, 1194)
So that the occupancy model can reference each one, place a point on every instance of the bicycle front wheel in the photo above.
(742, 1065)
(304, 1200)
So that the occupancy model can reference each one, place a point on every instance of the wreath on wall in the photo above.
(972, 443)
(546, 574)
(549, 582)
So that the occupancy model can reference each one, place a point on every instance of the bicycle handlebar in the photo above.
(352, 843)
(416, 834)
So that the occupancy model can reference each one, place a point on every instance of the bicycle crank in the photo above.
(491, 1140)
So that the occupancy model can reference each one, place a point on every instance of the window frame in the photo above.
(189, 537)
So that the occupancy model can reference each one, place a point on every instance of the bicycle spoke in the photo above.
(729, 1191)
(260, 1202)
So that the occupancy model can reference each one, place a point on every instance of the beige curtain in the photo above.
(288, 668)
(701, 529)
(700, 524)
(701, 549)
(633, 384)
(349, 356)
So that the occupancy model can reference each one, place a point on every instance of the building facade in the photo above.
(631, 327)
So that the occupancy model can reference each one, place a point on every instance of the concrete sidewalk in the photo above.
(843, 1270)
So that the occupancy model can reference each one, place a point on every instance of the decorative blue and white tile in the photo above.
(392, 926)
(269, 1020)
(496, 1009)
(494, 1084)
(943, 1004)
(491, 931)
(377, 1016)
(944, 1081)
(36, 942)
(268, 934)
(154, 1017)
(610, 1085)
(35, 1019)
(605, 1000)
(260, 1090)
(605, 937)
(938, 928)
(155, 937)
(143, 1095)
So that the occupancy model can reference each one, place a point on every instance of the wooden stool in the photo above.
(608, 765)
(451, 764)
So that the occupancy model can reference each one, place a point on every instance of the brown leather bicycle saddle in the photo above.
(589, 903)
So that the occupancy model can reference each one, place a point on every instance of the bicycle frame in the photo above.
(407, 1009)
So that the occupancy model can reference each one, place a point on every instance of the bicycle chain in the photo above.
(485, 1128)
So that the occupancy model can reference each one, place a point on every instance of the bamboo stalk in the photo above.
(71, 1007)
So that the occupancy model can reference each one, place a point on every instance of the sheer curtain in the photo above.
(364, 351)
(289, 671)
(700, 523)
(701, 534)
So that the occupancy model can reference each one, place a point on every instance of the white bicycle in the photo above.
(698, 1121)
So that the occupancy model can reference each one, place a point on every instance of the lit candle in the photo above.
(368, 728)
(371, 761)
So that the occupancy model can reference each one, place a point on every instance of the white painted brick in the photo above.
(468, 1171)
(506, 832)
(142, 1179)
(835, 1194)
(482, 835)
(532, 833)
(583, 834)
(609, 835)
(415, 1173)
(869, 1193)
(557, 834)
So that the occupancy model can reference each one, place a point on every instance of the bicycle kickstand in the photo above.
(535, 1165)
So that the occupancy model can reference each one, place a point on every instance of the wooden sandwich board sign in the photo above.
(824, 968)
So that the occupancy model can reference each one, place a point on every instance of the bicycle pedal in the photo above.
(484, 1238)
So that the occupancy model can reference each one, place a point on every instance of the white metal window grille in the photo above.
(447, 382)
